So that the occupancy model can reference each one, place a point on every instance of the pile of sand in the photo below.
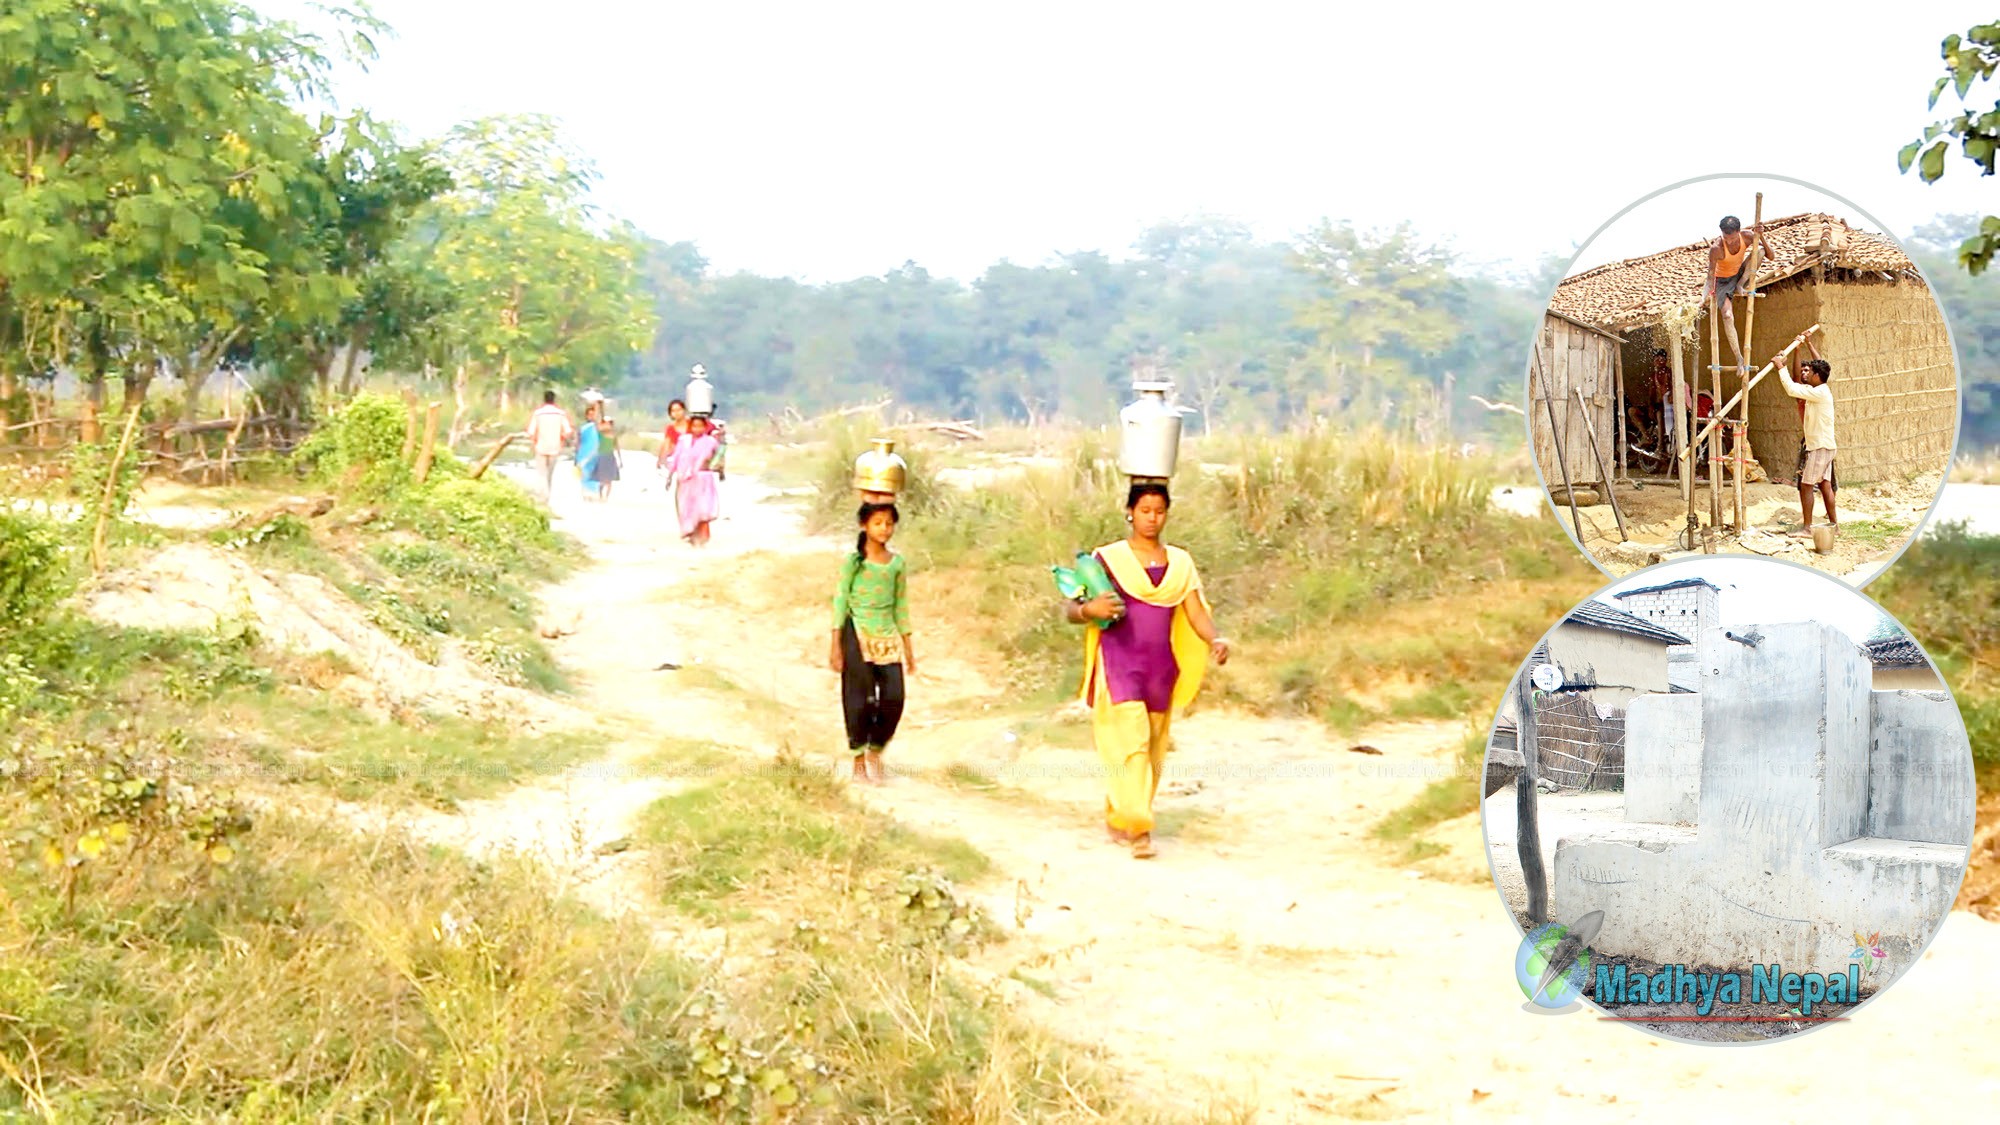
(198, 588)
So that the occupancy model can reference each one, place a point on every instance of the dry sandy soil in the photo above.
(1273, 958)
(1656, 517)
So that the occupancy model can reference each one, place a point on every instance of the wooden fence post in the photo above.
(423, 470)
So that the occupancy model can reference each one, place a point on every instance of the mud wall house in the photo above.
(1899, 665)
(1691, 607)
(1894, 381)
(1570, 356)
(1608, 658)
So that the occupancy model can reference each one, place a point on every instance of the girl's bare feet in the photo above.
(1118, 835)
(860, 768)
(876, 773)
(1142, 846)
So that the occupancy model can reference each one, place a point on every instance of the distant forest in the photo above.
(1363, 327)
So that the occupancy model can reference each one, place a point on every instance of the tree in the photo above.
(1968, 59)
(1377, 309)
(155, 170)
(543, 287)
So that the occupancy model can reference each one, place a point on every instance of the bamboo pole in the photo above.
(1749, 349)
(1602, 472)
(1714, 439)
(423, 470)
(1683, 429)
(1686, 450)
(100, 547)
(88, 431)
(1555, 439)
(1618, 404)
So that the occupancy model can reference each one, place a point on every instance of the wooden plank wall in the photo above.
(1572, 358)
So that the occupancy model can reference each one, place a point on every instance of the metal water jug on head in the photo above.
(881, 470)
(700, 396)
(1149, 431)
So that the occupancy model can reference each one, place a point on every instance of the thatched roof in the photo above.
(1636, 292)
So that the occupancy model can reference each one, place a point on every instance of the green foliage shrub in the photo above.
(364, 438)
(33, 572)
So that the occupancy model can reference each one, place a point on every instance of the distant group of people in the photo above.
(692, 450)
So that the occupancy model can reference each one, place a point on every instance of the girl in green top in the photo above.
(871, 640)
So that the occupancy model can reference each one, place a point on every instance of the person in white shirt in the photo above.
(1816, 419)
(549, 432)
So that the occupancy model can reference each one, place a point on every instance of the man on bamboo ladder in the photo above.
(1728, 269)
(1816, 445)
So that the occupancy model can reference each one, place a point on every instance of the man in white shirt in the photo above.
(1816, 419)
(549, 432)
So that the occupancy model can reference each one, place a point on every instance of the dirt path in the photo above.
(1273, 958)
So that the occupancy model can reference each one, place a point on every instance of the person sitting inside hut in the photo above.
(1816, 444)
(1728, 269)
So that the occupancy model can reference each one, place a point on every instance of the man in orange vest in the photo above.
(1728, 269)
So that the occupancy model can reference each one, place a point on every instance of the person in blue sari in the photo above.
(588, 442)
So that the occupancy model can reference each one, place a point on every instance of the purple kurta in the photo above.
(1138, 653)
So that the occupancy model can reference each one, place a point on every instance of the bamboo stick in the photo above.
(99, 535)
(492, 455)
(1749, 349)
(1714, 439)
(409, 424)
(1682, 428)
(1618, 404)
(1555, 439)
(1747, 387)
(1609, 493)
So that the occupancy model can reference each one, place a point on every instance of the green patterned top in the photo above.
(876, 595)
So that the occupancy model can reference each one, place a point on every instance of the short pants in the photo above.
(1726, 287)
(1816, 465)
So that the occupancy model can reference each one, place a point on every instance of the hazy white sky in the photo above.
(1761, 592)
(829, 141)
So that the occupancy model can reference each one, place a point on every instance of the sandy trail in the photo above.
(1274, 961)
(1655, 517)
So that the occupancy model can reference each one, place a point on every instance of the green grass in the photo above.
(718, 842)
(1943, 591)
(1874, 533)
(1446, 798)
(316, 977)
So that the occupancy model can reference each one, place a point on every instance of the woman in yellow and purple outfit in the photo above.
(1141, 667)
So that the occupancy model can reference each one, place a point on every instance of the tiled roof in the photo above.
(1641, 291)
(1897, 651)
(1596, 614)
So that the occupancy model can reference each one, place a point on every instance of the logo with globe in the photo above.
(1554, 961)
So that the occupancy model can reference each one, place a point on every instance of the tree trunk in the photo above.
(354, 343)
(6, 397)
(461, 383)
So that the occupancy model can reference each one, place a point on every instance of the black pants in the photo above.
(871, 694)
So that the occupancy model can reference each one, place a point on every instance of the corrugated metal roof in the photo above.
(1597, 615)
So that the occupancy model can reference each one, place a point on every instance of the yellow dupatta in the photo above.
(1180, 583)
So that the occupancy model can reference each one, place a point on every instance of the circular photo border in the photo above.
(1568, 997)
(1877, 568)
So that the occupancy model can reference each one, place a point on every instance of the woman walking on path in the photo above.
(1139, 670)
(694, 480)
(588, 440)
(871, 640)
(605, 469)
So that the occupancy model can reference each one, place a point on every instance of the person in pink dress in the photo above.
(691, 464)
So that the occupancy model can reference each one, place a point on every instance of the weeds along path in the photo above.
(1273, 958)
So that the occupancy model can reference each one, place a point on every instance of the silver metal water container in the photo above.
(700, 396)
(1149, 431)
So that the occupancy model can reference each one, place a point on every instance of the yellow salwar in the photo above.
(1131, 741)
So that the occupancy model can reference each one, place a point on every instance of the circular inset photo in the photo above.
(1726, 800)
(1743, 365)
